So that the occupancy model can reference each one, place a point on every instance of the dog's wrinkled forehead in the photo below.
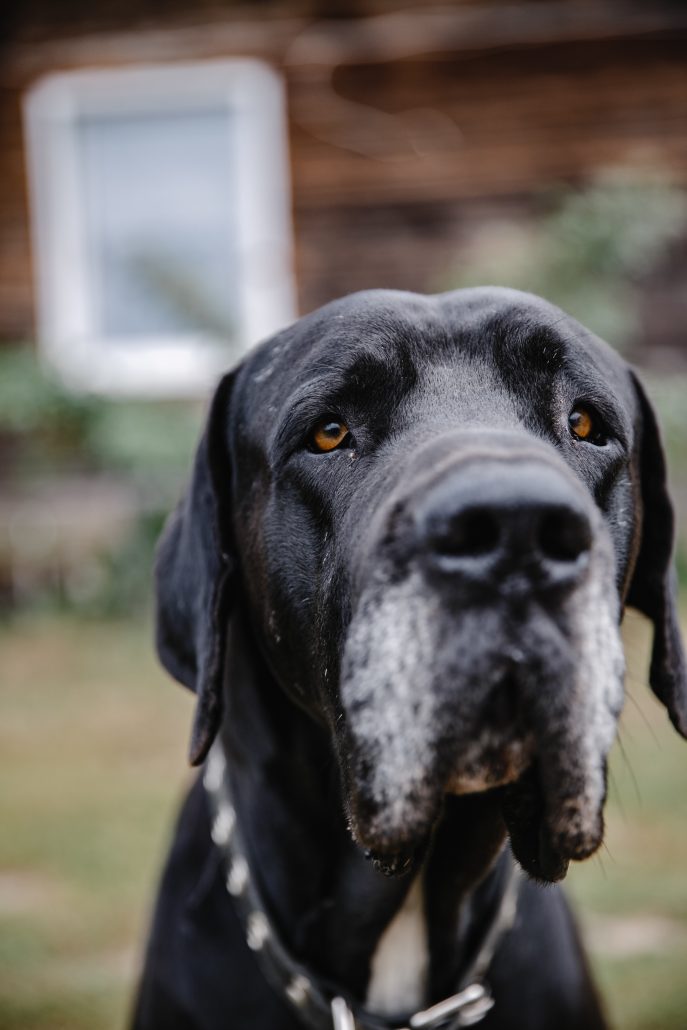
(373, 349)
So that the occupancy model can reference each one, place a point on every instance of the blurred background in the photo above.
(178, 180)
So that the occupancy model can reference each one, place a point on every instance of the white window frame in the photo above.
(66, 317)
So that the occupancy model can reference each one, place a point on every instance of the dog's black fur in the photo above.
(389, 675)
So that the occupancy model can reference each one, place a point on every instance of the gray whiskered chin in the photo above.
(440, 701)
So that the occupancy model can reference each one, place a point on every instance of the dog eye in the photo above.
(586, 426)
(328, 435)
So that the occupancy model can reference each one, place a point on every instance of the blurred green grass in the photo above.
(93, 739)
(632, 896)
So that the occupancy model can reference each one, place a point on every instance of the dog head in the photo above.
(434, 510)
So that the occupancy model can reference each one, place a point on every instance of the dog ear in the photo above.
(653, 587)
(194, 575)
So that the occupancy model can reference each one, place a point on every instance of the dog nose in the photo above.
(515, 525)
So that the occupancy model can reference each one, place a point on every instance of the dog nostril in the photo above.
(471, 534)
(564, 535)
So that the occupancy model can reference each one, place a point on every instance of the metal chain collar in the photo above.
(320, 1005)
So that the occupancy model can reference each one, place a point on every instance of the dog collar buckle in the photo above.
(466, 1008)
(342, 1017)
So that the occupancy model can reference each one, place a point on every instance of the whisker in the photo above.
(644, 717)
(614, 790)
(630, 770)
(600, 863)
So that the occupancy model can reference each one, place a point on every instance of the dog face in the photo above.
(435, 508)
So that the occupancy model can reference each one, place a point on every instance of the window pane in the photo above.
(159, 198)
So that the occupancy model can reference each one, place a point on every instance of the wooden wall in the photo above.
(406, 129)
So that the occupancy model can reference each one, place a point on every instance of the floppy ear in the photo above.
(654, 585)
(194, 572)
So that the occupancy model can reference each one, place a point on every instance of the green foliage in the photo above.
(669, 395)
(145, 438)
(42, 423)
(48, 432)
(53, 429)
(586, 250)
(124, 584)
(34, 400)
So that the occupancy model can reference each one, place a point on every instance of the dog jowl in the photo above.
(484, 640)
(434, 510)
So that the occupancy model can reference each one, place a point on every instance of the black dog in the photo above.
(395, 585)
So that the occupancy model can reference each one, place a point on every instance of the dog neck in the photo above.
(333, 910)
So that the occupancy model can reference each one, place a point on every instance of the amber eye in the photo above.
(328, 435)
(584, 426)
(580, 422)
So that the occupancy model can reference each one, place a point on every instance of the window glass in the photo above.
(159, 195)
(160, 209)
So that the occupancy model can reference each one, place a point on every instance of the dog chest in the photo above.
(398, 970)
